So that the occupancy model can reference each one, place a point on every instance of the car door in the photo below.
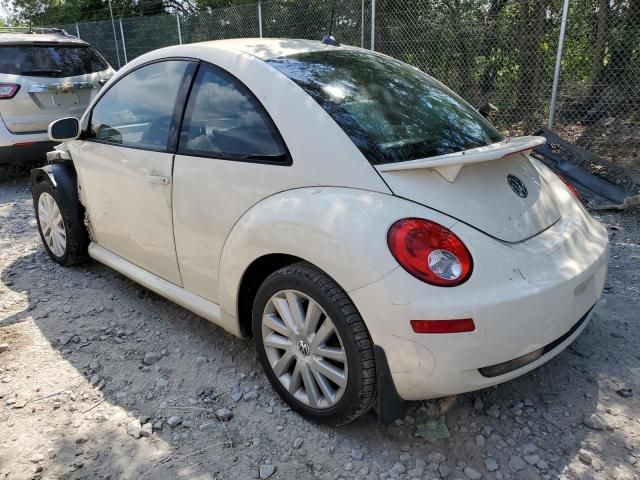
(230, 156)
(125, 162)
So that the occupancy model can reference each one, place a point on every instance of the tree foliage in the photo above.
(498, 51)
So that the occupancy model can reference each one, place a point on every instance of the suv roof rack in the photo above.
(34, 30)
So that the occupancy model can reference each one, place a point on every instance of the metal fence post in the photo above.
(179, 29)
(373, 24)
(260, 17)
(362, 25)
(556, 76)
(77, 30)
(124, 45)
(115, 37)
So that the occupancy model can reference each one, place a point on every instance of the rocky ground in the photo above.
(99, 378)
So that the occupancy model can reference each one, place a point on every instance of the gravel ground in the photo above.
(100, 378)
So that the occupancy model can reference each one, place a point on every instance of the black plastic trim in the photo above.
(390, 405)
(179, 107)
(511, 365)
(24, 154)
(65, 177)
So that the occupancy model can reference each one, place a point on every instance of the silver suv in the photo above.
(45, 74)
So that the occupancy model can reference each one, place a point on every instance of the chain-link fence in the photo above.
(498, 52)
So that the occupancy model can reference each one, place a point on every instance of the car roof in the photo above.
(24, 38)
(268, 48)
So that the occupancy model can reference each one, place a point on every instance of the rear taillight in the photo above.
(8, 90)
(571, 188)
(430, 252)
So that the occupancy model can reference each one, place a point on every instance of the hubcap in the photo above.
(304, 349)
(51, 224)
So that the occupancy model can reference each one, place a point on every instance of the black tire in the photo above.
(360, 394)
(72, 212)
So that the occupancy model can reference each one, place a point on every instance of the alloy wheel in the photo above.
(304, 349)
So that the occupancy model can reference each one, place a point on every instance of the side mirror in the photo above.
(64, 129)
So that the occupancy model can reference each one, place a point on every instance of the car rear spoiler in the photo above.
(449, 165)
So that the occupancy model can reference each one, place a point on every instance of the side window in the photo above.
(224, 120)
(137, 110)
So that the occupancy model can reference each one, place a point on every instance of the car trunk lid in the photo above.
(495, 188)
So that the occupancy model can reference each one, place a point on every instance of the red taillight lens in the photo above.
(571, 188)
(430, 252)
(8, 90)
(458, 325)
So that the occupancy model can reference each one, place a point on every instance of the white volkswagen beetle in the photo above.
(377, 237)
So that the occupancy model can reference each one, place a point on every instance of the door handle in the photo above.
(159, 179)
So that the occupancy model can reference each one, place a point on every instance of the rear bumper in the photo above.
(28, 154)
(528, 301)
(17, 148)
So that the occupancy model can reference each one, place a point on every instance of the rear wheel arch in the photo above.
(254, 275)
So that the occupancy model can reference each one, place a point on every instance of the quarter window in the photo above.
(224, 120)
(137, 110)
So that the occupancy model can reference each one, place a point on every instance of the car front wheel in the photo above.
(60, 224)
(314, 346)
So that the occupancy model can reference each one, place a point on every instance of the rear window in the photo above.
(50, 60)
(392, 111)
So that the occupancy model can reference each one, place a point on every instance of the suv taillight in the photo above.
(8, 90)
(430, 252)
(571, 188)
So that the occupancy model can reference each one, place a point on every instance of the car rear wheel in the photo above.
(60, 224)
(314, 346)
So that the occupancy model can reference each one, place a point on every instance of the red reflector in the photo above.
(23, 144)
(443, 326)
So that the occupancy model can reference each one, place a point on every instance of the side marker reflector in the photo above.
(459, 325)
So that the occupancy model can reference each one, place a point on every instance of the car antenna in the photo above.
(330, 39)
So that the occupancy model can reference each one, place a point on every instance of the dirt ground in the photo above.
(79, 400)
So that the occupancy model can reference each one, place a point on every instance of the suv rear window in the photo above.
(392, 111)
(50, 60)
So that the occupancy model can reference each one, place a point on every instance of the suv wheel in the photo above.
(60, 224)
(314, 346)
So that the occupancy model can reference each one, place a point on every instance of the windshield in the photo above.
(50, 60)
(392, 111)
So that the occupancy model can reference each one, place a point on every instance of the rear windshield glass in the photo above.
(50, 60)
(392, 111)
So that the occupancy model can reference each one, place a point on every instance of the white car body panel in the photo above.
(184, 298)
(325, 226)
(136, 223)
(332, 209)
(560, 275)
(482, 197)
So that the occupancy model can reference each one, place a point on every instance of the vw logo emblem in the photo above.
(303, 348)
(518, 187)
